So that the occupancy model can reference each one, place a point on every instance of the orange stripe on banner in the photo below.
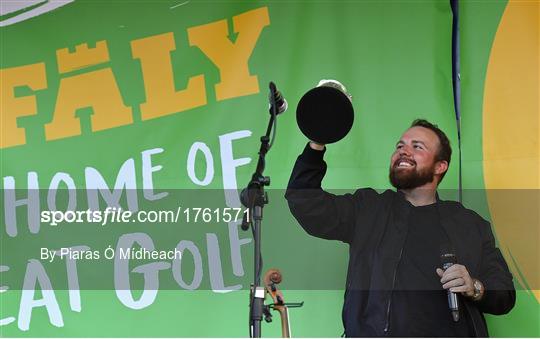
(511, 148)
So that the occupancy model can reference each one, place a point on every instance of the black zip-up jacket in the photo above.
(375, 226)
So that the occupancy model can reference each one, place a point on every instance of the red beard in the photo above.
(408, 178)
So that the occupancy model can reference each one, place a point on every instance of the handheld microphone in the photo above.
(281, 103)
(447, 260)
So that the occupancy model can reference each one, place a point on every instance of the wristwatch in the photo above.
(478, 290)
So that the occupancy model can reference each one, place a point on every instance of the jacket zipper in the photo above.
(387, 326)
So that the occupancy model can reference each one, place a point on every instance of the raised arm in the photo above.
(320, 213)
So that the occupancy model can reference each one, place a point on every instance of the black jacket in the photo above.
(375, 226)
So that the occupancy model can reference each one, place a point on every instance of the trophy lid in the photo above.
(325, 113)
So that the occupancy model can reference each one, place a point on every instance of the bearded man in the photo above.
(395, 282)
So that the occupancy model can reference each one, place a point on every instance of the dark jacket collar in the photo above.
(445, 219)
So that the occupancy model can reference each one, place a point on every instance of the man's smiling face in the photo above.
(413, 163)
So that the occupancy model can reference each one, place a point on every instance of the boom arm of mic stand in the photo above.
(258, 180)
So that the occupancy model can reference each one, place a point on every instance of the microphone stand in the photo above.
(254, 198)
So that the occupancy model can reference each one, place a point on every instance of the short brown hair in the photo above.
(445, 151)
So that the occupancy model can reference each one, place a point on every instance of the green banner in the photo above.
(159, 106)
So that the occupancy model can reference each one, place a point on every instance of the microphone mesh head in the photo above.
(448, 258)
(283, 107)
